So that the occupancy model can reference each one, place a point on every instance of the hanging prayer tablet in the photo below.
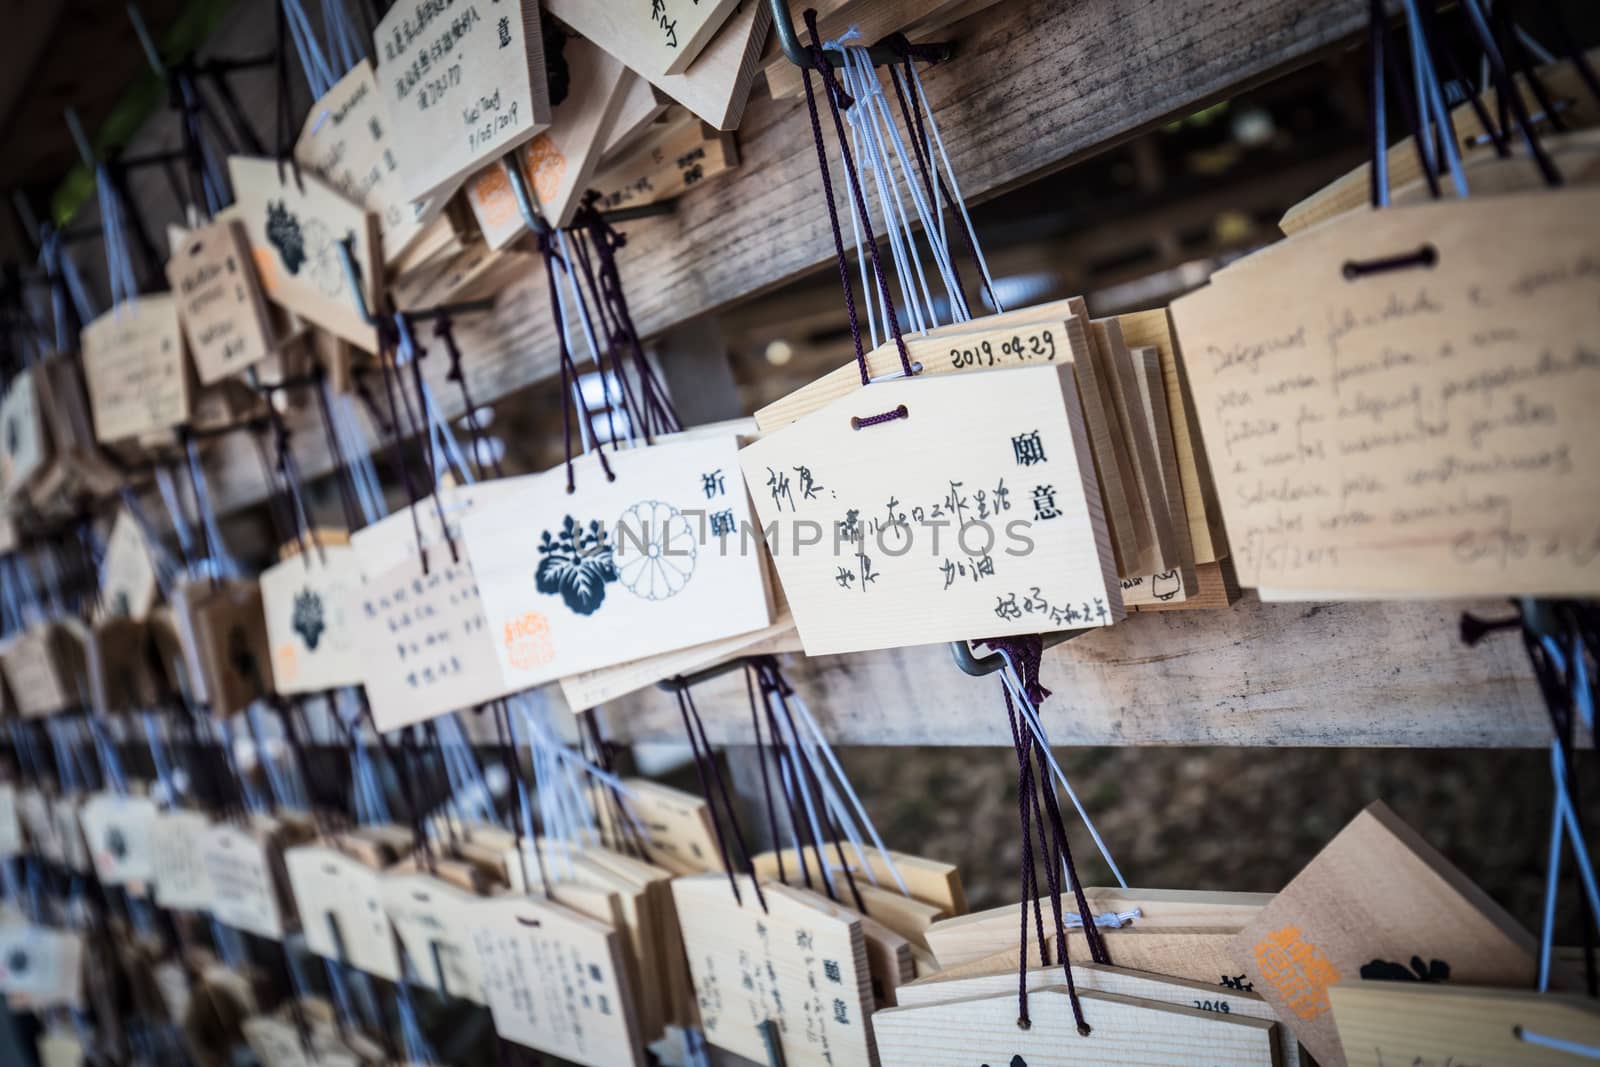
(463, 87)
(423, 641)
(127, 576)
(663, 38)
(1391, 412)
(554, 982)
(60, 1048)
(133, 360)
(64, 811)
(177, 857)
(1387, 1023)
(340, 903)
(348, 140)
(660, 557)
(559, 162)
(1123, 981)
(887, 535)
(244, 869)
(717, 86)
(801, 966)
(33, 810)
(230, 639)
(1123, 1030)
(42, 965)
(117, 830)
(24, 448)
(43, 670)
(1376, 902)
(435, 922)
(220, 303)
(306, 602)
(295, 230)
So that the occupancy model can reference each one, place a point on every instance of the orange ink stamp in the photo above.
(1297, 971)
(528, 641)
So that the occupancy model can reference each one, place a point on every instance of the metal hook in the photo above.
(683, 682)
(982, 666)
(519, 189)
(352, 277)
(882, 55)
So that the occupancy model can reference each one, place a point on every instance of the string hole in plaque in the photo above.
(528, 922)
(859, 423)
(1023, 1023)
(1426, 257)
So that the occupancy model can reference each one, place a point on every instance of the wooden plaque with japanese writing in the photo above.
(801, 965)
(340, 903)
(555, 982)
(133, 360)
(24, 444)
(717, 86)
(230, 641)
(654, 560)
(1376, 902)
(348, 139)
(558, 163)
(1417, 430)
(435, 922)
(662, 37)
(1124, 1032)
(306, 602)
(220, 302)
(117, 831)
(295, 229)
(127, 576)
(464, 84)
(1389, 1024)
(177, 848)
(1094, 977)
(977, 512)
(243, 868)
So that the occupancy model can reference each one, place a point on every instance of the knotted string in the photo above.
(837, 99)
(659, 416)
(705, 764)
(570, 393)
(444, 331)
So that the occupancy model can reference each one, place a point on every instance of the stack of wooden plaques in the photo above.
(1159, 502)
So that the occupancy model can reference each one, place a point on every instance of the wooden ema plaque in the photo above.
(802, 966)
(1420, 430)
(1377, 902)
(220, 302)
(558, 163)
(1390, 1024)
(463, 83)
(717, 86)
(340, 903)
(663, 37)
(177, 854)
(651, 561)
(554, 982)
(117, 830)
(133, 360)
(435, 921)
(127, 576)
(348, 139)
(247, 883)
(40, 966)
(305, 600)
(1123, 981)
(24, 445)
(888, 536)
(12, 842)
(295, 231)
(1125, 1032)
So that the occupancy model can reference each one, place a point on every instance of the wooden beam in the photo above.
(1036, 85)
(1351, 674)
